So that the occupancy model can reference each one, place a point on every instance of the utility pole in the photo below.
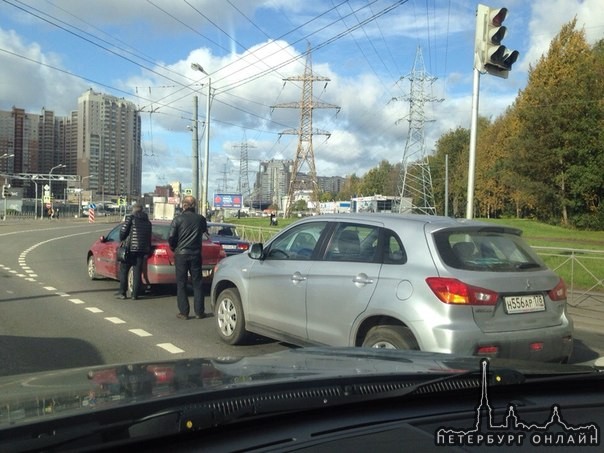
(304, 152)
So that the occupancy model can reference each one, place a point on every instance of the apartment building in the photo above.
(109, 151)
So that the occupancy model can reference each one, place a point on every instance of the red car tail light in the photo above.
(536, 346)
(490, 350)
(108, 376)
(163, 374)
(453, 291)
(243, 246)
(559, 292)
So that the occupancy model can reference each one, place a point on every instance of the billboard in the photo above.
(228, 201)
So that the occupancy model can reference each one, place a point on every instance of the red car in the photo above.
(102, 257)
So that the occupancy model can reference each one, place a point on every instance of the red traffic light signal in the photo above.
(489, 54)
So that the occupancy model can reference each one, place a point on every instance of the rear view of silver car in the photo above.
(396, 281)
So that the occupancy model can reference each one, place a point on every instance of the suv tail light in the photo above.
(453, 291)
(559, 292)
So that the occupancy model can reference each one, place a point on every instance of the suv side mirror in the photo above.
(256, 251)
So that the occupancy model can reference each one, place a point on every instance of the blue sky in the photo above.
(51, 51)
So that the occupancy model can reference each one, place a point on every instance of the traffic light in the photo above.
(6, 191)
(489, 54)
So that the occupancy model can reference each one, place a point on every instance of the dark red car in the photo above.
(102, 257)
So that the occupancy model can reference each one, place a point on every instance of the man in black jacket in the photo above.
(136, 231)
(185, 239)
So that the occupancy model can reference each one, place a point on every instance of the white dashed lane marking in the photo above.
(115, 320)
(29, 274)
(170, 348)
(140, 332)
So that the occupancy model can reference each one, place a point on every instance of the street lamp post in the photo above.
(50, 181)
(195, 150)
(206, 157)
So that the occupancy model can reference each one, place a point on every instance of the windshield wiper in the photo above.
(371, 388)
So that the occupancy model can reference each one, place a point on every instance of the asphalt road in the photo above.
(53, 316)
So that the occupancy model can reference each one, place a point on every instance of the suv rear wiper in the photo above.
(527, 265)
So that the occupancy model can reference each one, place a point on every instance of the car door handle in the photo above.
(362, 279)
(298, 277)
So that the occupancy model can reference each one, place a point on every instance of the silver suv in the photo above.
(396, 281)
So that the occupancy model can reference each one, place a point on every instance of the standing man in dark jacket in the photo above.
(136, 231)
(185, 239)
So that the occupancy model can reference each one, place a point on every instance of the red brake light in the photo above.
(163, 374)
(108, 376)
(160, 251)
(487, 350)
(536, 346)
(559, 292)
(243, 246)
(453, 291)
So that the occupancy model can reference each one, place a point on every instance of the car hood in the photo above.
(26, 398)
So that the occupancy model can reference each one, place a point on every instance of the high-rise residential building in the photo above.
(109, 151)
(272, 182)
(19, 137)
(332, 184)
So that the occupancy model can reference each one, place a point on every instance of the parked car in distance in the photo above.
(396, 281)
(226, 235)
(102, 257)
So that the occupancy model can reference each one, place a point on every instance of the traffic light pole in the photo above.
(5, 200)
(473, 134)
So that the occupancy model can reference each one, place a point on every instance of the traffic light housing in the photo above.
(490, 56)
(6, 191)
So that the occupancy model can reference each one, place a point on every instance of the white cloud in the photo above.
(548, 16)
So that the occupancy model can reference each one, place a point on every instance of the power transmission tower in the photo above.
(304, 152)
(244, 181)
(415, 180)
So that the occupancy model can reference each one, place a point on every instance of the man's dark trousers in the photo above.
(189, 264)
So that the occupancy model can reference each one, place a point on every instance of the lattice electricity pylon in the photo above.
(244, 182)
(415, 181)
(304, 152)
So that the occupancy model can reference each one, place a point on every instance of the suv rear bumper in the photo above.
(551, 344)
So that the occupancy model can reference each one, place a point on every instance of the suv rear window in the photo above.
(486, 251)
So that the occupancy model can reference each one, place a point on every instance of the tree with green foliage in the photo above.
(560, 138)
(379, 180)
(452, 146)
(350, 188)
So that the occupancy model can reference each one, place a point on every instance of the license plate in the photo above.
(206, 273)
(229, 246)
(525, 304)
